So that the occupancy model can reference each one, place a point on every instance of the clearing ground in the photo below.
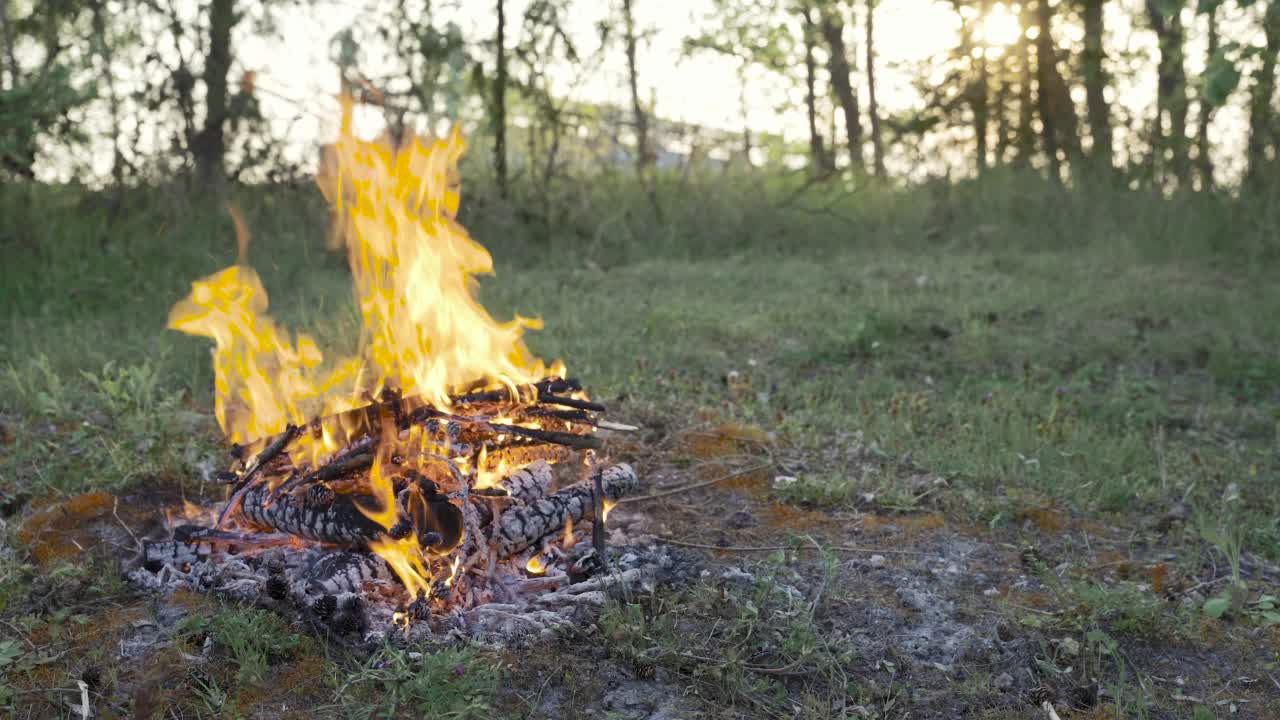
(948, 481)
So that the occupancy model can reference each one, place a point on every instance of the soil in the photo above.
(942, 619)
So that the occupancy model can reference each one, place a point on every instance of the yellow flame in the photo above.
(414, 269)
(261, 378)
(382, 491)
(453, 571)
(607, 505)
(536, 565)
(405, 558)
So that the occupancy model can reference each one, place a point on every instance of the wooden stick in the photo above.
(521, 525)
(772, 548)
(695, 486)
(550, 436)
(598, 519)
(550, 386)
(268, 454)
(333, 470)
(571, 402)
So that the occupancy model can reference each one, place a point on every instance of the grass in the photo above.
(758, 648)
(395, 682)
(253, 640)
(1109, 354)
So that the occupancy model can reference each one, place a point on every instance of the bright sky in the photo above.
(702, 89)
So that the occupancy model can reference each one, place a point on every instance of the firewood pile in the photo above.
(497, 506)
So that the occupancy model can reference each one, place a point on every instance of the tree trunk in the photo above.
(1095, 83)
(1001, 109)
(1261, 115)
(978, 98)
(211, 146)
(818, 161)
(500, 104)
(104, 50)
(1044, 70)
(743, 110)
(643, 155)
(1169, 131)
(873, 108)
(838, 65)
(1204, 161)
(9, 79)
(1025, 142)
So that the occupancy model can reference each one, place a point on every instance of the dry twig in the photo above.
(771, 548)
(695, 486)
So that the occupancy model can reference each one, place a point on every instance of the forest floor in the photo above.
(922, 483)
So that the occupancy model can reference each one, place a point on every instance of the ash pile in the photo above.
(490, 521)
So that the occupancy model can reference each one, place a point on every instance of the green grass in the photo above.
(1024, 342)
(253, 640)
(392, 683)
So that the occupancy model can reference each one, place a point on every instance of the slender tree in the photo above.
(104, 48)
(1205, 105)
(979, 93)
(1045, 67)
(1261, 113)
(1060, 124)
(1095, 82)
(644, 157)
(500, 102)
(873, 108)
(832, 26)
(210, 146)
(1001, 109)
(819, 162)
(1025, 139)
(8, 79)
(1169, 127)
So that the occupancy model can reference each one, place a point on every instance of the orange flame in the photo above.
(414, 269)
(424, 332)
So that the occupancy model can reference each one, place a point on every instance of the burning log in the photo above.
(530, 483)
(339, 572)
(405, 476)
(522, 525)
(339, 521)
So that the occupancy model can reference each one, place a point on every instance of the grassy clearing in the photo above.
(1106, 355)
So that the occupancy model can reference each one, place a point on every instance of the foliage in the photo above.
(39, 110)
(446, 683)
(103, 430)
(252, 639)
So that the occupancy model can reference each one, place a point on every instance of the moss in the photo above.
(59, 531)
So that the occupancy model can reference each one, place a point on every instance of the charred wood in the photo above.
(550, 436)
(338, 572)
(598, 513)
(341, 522)
(529, 483)
(268, 454)
(522, 525)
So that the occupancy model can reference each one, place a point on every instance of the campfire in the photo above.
(442, 469)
